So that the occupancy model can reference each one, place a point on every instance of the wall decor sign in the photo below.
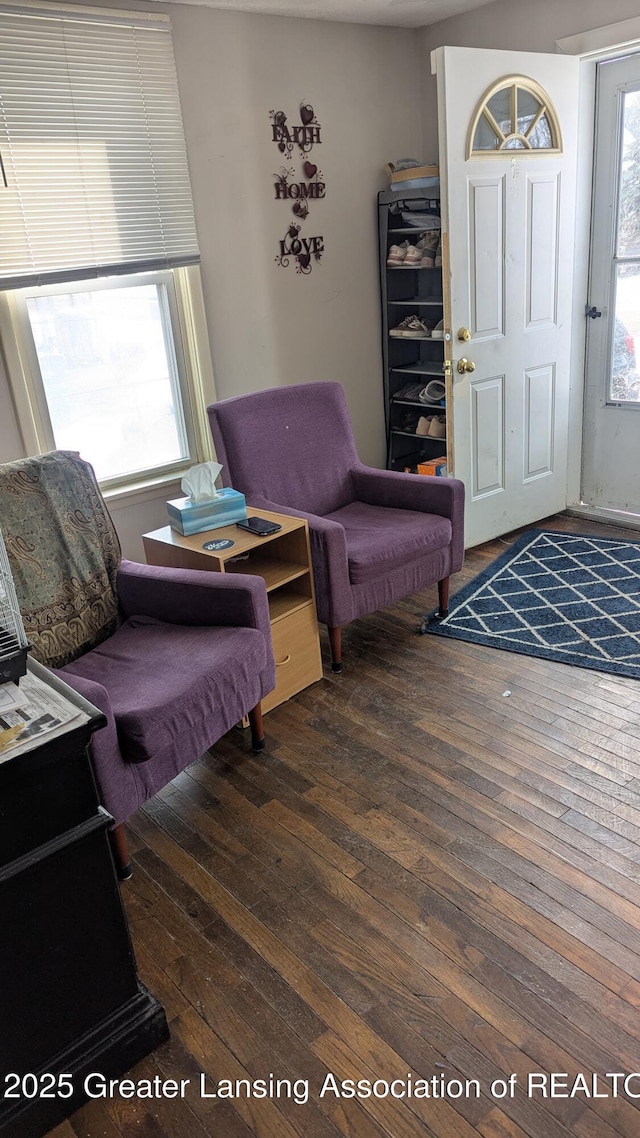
(301, 193)
(287, 135)
(301, 249)
(298, 187)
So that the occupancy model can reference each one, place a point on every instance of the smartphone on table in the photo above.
(259, 526)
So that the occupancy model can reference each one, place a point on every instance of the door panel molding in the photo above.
(487, 436)
(539, 419)
(542, 249)
(486, 198)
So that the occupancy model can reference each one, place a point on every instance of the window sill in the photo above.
(146, 490)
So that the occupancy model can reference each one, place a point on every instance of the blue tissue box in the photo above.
(187, 517)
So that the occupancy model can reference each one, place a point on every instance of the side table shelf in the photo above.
(283, 560)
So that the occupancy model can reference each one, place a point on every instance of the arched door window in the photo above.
(514, 114)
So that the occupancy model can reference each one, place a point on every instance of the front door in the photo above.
(507, 126)
(611, 455)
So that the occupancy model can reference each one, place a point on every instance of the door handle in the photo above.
(465, 365)
(464, 335)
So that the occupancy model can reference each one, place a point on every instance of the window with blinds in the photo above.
(94, 178)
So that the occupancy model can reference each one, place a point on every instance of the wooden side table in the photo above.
(284, 561)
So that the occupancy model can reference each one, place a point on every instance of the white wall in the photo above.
(268, 325)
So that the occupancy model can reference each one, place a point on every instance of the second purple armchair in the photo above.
(376, 535)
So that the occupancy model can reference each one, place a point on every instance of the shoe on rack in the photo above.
(413, 256)
(408, 422)
(410, 391)
(439, 256)
(424, 423)
(427, 245)
(412, 327)
(437, 333)
(396, 255)
(434, 391)
(437, 427)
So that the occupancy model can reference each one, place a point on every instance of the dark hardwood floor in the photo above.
(419, 876)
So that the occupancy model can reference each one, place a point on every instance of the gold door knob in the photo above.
(464, 335)
(465, 365)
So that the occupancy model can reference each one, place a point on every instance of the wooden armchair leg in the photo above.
(257, 730)
(118, 839)
(443, 597)
(335, 637)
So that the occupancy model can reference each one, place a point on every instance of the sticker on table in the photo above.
(218, 544)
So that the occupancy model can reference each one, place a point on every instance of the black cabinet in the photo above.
(70, 999)
(412, 359)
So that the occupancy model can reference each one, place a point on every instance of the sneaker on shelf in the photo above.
(437, 333)
(424, 423)
(413, 256)
(437, 427)
(439, 256)
(396, 255)
(427, 245)
(412, 327)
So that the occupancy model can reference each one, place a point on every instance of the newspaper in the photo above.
(43, 715)
(10, 697)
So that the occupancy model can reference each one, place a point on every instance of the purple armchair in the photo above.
(173, 657)
(376, 535)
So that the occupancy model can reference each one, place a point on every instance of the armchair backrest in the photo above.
(64, 554)
(292, 445)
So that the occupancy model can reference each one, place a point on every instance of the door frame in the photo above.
(591, 48)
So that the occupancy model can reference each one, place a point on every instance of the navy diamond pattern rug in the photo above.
(561, 596)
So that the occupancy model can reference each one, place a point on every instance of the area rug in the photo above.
(561, 596)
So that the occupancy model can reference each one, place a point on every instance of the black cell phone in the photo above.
(260, 526)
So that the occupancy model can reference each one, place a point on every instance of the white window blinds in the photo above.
(94, 177)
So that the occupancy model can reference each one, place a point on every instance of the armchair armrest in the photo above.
(444, 496)
(118, 786)
(193, 597)
(330, 565)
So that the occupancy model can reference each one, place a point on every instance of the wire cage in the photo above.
(14, 645)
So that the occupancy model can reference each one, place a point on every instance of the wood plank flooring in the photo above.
(419, 878)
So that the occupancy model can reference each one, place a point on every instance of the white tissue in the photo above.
(199, 483)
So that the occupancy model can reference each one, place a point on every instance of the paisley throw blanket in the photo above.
(64, 554)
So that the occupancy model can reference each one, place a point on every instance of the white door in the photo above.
(611, 455)
(508, 234)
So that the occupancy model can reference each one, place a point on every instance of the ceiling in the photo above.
(393, 13)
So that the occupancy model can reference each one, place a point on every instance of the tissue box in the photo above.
(187, 517)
